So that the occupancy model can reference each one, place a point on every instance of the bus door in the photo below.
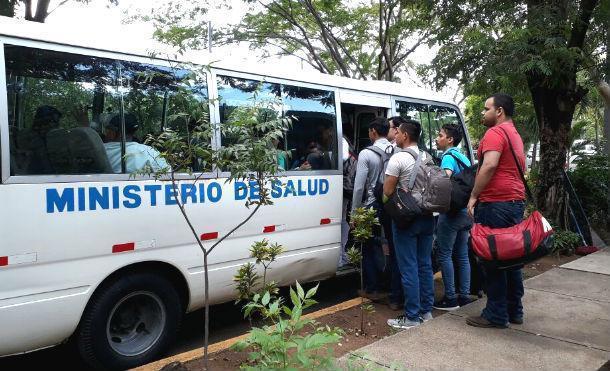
(358, 109)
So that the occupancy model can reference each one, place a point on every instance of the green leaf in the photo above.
(300, 291)
(266, 298)
(294, 298)
(312, 291)
(296, 313)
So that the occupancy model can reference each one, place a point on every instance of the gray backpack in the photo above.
(429, 184)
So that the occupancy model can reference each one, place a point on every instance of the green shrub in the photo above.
(591, 180)
(290, 342)
(565, 242)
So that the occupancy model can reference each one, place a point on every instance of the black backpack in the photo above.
(461, 184)
(384, 157)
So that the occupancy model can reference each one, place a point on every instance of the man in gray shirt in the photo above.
(370, 167)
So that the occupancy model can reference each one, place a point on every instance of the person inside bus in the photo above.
(34, 140)
(138, 157)
(282, 157)
(320, 155)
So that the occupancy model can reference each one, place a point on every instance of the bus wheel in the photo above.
(129, 322)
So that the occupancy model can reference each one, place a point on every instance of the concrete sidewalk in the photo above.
(567, 326)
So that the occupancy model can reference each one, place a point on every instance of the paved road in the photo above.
(226, 322)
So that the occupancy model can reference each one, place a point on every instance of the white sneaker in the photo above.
(402, 322)
(426, 317)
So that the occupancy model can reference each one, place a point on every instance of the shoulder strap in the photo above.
(418, 159)
(411, 152)
(527, 188)
(379, 152)
(461, 163)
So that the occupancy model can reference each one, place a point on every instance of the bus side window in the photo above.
(312, 140)
(55, 105)
(156, 98)
(311, 143)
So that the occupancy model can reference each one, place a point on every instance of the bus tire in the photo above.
(129, 322)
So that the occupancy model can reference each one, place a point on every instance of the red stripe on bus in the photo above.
(209, 236)
(269, 229)
(325, 221)
(3, 261)
(122, 247)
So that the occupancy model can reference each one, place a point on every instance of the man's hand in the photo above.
(471, 202)
(386, 249)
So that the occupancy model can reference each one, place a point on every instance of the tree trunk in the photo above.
(607, 94)
(7, 8)
(42, 11)
(554, 110)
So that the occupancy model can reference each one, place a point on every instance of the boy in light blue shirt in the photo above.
(453, 229)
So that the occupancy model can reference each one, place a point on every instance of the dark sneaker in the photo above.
(479, 321)
(372, 296)
(516, 320)
(402, 322)
(465, 301)
(446, 304)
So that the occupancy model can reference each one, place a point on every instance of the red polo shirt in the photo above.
(506, 183)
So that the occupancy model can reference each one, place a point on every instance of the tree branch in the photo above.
(234, 229)
(58, 5)
(581, 24)
(328, 39)
(289, 16)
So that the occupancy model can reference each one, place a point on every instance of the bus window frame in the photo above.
(273, 80)
(6, 178)
(5, 154)
(429, 103)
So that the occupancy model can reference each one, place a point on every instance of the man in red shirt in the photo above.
(498, 201)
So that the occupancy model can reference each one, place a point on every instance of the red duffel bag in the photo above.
(502, 248)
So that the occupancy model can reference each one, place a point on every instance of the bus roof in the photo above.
(22, 29)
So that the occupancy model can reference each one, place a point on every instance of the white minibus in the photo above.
(90, 253)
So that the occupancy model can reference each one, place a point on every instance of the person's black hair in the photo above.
(381, 126)
(506, 102)
(411, 127)
(131, 123)
(397, 120)
(453, 131)
(47, 113)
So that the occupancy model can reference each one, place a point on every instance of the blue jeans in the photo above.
(396, 296)
(413, 254)
(370, 254)
(505, 286)
(452, 232)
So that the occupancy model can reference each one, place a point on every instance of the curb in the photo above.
(225, 344)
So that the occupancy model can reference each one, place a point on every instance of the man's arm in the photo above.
(389, 185)
(488, 169)
(362, 171)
